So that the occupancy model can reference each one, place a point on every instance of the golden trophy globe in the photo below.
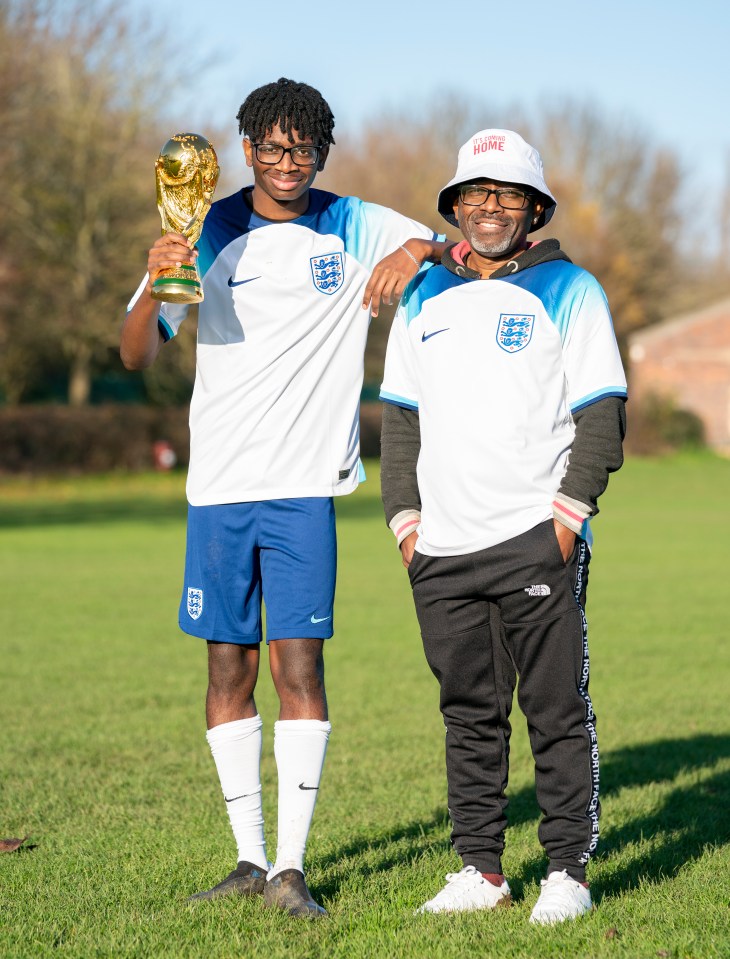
(186, 172)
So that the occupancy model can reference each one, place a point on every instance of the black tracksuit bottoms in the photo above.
(515, 609)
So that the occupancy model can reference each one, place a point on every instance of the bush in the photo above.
(55, 438)
(657, 425)
(63, 439)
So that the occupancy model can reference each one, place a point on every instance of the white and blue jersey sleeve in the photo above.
(576, 305)
(375, 231)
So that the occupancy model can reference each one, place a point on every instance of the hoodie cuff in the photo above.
(405, 523)
(570, 512)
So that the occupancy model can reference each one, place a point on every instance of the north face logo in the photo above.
(540, 590)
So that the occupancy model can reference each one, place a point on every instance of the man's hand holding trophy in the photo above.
(186, 172)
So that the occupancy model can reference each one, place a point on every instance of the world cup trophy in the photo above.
(186, 172)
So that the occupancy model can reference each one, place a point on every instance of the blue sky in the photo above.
(663, 65)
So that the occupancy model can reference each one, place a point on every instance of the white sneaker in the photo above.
(560, 898)
(467, 890)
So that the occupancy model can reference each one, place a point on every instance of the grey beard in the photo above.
(487, 248)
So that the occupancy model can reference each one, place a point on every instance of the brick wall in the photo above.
(688, 359)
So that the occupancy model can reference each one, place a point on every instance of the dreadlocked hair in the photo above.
(292, 106)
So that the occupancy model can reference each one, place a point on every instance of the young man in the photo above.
(274, 437)
(504, 415)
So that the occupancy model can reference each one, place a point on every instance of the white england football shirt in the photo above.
(495, 369)
(281, 341)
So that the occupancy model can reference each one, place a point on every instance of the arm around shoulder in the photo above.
(391, 275)
(426, 251)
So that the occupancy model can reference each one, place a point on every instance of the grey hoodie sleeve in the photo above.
(400, 444)
(596, 452)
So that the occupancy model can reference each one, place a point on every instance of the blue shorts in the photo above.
(284, 551)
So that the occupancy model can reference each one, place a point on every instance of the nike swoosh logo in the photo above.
(243, 796)
(318, 619)
(232, 282)
(302, 786)
(427, 336)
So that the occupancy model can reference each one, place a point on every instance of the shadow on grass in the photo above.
(78, 512)
(690, 819)
(397, 846)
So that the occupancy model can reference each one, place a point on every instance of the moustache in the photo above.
(490, 218)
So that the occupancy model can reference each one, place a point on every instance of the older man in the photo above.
(504, 415)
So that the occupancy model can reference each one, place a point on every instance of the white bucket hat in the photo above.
(498, 155)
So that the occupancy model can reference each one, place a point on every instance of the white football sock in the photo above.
(299, 747)
(236, 749)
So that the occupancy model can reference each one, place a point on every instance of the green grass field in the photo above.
(104, 761)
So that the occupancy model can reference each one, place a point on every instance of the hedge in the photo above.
(63, 439)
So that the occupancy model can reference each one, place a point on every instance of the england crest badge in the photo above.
(328, 272)
(514, 331)
(195, 602)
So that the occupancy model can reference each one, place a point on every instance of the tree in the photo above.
(80, 136)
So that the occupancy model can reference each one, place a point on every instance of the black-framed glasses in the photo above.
(474, 194)
(303, 155)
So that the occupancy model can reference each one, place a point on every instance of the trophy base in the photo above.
(178, 286)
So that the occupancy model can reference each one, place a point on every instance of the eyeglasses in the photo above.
(273, 152)
(472, 194)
